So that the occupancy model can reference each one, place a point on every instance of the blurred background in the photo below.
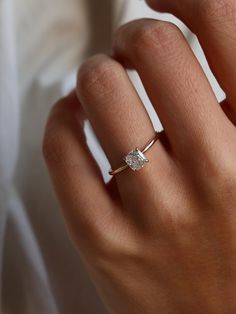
(42, 44)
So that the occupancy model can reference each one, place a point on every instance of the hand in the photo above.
(162, 239)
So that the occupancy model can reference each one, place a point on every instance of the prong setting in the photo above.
(135, 159)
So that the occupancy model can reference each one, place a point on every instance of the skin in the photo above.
(163, 239)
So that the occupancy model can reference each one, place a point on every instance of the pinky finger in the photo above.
(77, 180)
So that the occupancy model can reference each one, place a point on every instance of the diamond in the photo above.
(135, 159)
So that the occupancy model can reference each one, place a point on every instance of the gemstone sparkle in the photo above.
(136, 159)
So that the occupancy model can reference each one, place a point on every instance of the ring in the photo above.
(135, 159)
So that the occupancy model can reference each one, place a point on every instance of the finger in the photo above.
(86, 203)
(174, 81)
(213, 22)
(119, 119)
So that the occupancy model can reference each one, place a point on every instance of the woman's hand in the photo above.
(162, 239)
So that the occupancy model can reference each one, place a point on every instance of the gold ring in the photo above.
(135, 159)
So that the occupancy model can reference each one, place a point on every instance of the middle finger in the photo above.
(174, 81)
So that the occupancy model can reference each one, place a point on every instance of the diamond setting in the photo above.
(136, 159)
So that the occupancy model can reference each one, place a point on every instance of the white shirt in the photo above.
(41, 45)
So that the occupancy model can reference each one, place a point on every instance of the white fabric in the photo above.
(41, 45)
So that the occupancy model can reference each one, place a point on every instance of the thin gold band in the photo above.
(146, 148)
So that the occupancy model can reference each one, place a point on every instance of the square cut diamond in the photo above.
(135, 159)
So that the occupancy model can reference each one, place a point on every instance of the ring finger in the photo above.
(120, 121)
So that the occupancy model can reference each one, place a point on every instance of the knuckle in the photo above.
(214, 173)
(219, 171)
(226, 175)
(111, 243)
(122, 255)
(85, 229)
(96, 75)
(154, 36)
